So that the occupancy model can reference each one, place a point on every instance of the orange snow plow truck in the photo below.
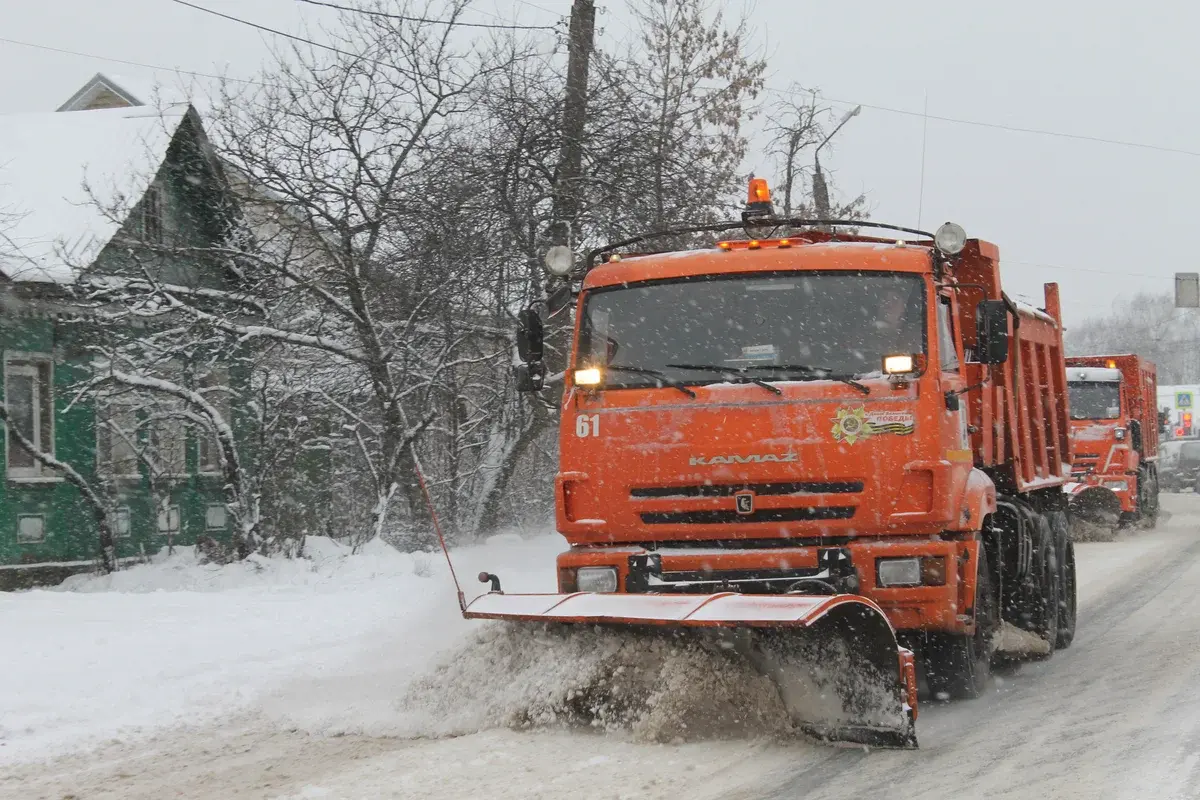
(1114, 430)
(825, 451)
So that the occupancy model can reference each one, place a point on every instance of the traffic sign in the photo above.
(1183, 399)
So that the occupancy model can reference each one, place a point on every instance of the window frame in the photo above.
(215, 379)
(104, 465)
(168, 510)
(153, 209)
(23, 540)
(947, 342)
(122, 522)
(208, 526)
(29, 364)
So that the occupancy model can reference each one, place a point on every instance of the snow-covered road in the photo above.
(1116, 716)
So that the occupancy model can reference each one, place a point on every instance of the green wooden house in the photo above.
(159, 164)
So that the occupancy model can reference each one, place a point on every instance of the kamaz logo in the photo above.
(755, 458)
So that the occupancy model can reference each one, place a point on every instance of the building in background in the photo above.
(82, 189)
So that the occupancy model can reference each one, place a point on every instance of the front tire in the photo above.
(958, 666)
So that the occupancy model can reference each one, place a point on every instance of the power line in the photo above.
(277, 32)
(156, 67)
(427, 20)
(999, 126)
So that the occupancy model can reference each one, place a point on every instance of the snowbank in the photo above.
(177, 643)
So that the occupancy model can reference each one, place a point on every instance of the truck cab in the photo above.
(1114, 476)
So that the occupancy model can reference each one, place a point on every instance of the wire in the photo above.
(1085, 269)
(278, 32)
(128, 62)
(426, 20)
(997, 125)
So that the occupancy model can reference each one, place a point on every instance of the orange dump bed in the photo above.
(1020, 423)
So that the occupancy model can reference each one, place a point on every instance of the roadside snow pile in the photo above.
(658, 686)
(178, 643)
(324, 561)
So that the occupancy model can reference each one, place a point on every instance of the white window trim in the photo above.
(178, 519)
(224, 510)
(45, 533)
(126, 513)
(37, 473)
(221, 374)
(102, 468)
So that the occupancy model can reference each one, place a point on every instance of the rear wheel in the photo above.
(1148, 490)
(1067, 604)
(1043, 592)
(958, 666)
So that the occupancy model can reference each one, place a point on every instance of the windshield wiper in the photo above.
(815, 372)
(730, 371)
(654, 373)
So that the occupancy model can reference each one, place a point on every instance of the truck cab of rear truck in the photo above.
(821, 412)
(1114, 432)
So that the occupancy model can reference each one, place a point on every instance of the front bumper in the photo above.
(842, 568)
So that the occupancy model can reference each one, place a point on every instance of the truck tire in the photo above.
(1044, 592)
(1068, 605)
(1148, 498)
(958, 666)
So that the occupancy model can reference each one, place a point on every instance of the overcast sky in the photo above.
(1095, 217)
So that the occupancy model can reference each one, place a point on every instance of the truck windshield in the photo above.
(770, 327)
(1094, 400)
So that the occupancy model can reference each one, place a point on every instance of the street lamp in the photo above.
(820, 189)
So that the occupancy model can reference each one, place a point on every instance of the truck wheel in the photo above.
(1041, 593)
(957, 666)
(1068, 603)
(1148, 484)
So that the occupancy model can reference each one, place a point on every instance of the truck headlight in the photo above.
(596, 579)
(899, 571)
(1117, 486)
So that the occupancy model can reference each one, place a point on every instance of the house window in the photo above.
(116, 439)
(152, 215)
(29, 396)
(121, 523)
(168, 442)
(215, 388)
(215, 517)
(31, 528)
(168, 520)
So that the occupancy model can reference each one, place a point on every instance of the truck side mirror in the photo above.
(530, 336)
(530, 377)
(991, 332)
(1135, 436)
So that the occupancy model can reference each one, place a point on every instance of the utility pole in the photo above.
(581, 40)
(820, 188)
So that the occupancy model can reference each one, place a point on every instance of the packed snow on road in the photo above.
(353, 675)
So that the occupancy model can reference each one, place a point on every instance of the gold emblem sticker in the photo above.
(852, 424)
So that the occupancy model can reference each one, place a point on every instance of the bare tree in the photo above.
(797, 126)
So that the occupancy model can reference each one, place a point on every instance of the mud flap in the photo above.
(834, 659)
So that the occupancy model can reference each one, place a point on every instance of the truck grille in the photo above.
(722, 516)
(1084, 463)
(761, 489)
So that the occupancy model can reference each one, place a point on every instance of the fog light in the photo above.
(899, 571)
(1117, 486)
(596, 579)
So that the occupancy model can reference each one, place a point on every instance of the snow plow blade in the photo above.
(835, 660)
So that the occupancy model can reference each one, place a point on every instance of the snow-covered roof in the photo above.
(44, 160)
(1093, 375)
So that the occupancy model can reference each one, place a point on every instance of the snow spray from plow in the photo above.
(834, 659)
